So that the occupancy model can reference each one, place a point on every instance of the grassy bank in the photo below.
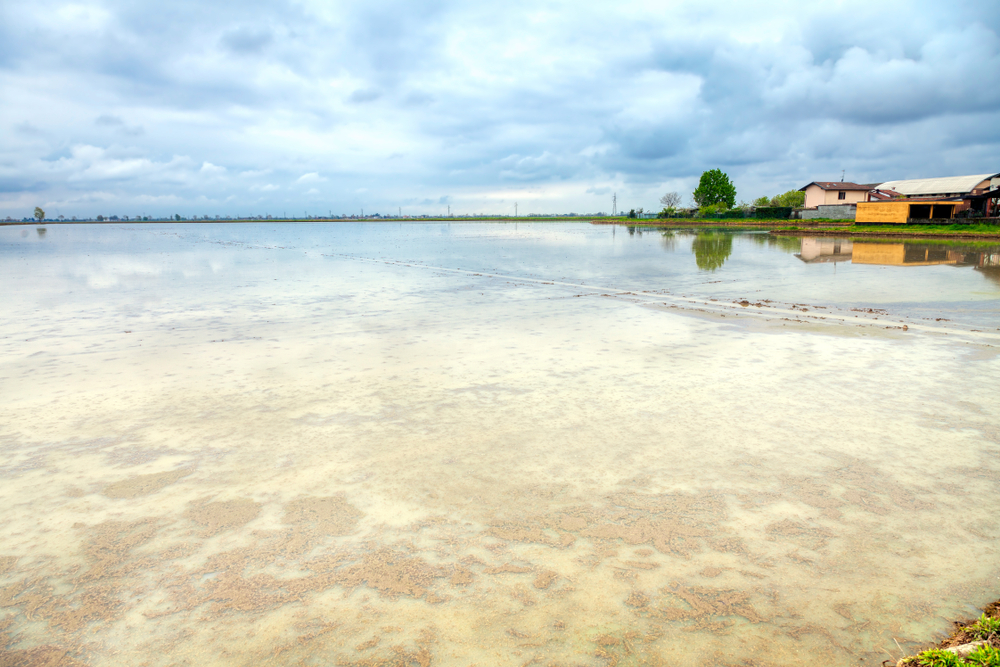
(973, 642)
(730, 223)
(691, 223)
(840, 228)
(955, 231)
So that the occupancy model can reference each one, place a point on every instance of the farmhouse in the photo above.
(833, 193)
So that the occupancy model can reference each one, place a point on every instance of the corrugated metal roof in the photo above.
(937, 186)
(884, 195)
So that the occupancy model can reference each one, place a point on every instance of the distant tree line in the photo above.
(791, 199)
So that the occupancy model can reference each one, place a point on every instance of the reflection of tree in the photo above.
(669, 239)
(712, 249)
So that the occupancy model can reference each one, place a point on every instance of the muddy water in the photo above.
(487, 445)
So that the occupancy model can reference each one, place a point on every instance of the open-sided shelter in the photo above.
(901, 211)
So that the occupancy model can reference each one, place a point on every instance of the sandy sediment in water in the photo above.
(437, 469)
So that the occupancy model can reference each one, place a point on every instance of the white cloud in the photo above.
(312, 177)
(393, 103)
(209, 169)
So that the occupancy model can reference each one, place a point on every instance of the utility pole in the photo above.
(401, 211)
(449, 210)
(515, 209)
(614, 205)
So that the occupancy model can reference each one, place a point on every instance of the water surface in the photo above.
(491, 444)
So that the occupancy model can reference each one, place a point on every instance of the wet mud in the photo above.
(143, 485)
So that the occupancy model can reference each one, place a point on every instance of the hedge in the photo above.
(773, 212)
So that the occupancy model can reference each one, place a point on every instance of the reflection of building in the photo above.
(813, 250)
(904, 254)
(817, 250)
(989, 265)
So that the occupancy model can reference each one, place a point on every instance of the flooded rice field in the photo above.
(491, 444)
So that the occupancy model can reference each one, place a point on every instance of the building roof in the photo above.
(825, 259)
(840, 185)
(940, 199)
(883, 195)
(937, 186)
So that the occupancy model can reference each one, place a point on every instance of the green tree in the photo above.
(711, 250)
(712, 210)
(715, 188)
(39, 213)
(761, 201)
(177, 216)
(792, 198)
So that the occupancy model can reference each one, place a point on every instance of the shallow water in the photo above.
(491, 444)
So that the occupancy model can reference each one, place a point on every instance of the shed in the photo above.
(902, 211)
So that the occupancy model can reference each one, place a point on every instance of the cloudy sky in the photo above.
(123, 107)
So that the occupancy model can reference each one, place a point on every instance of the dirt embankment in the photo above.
(692, 223)
(963, 639)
